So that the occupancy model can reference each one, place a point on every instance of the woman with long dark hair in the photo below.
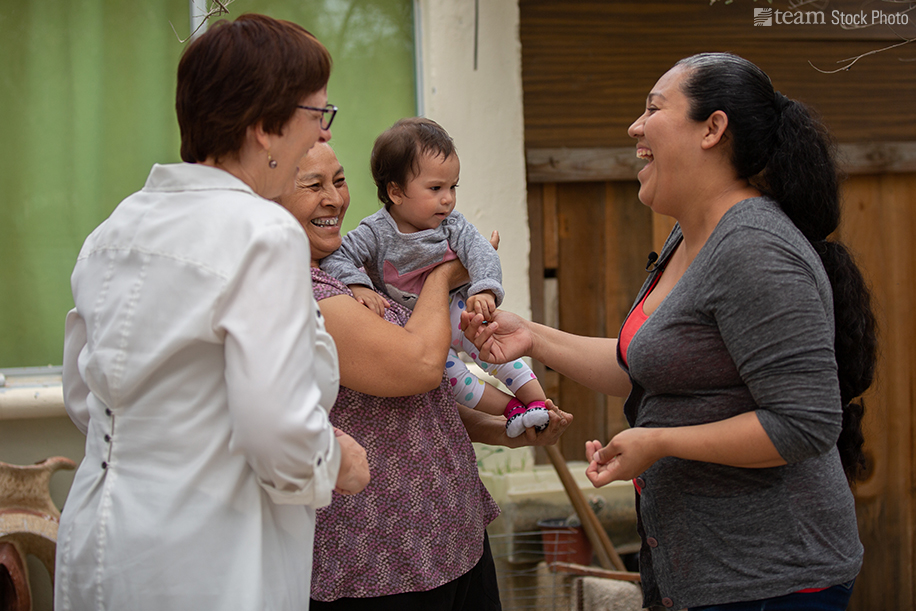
(741, 357)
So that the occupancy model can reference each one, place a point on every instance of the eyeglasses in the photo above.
(325, 119)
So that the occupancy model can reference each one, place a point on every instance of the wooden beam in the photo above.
(590, 571)
(551, 165)
(878, 157)
(582, 164)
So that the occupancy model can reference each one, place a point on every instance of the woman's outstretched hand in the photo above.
(625, 456)
(504, 339)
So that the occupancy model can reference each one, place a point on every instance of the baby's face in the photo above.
(429, 196)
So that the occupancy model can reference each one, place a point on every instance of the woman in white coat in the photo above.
(195, 359)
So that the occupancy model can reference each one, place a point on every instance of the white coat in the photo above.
(197, 365)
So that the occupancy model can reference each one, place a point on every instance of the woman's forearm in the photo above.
(429, 325)
(367, 342)
(740, 441)
(590, 361)
(483, 427)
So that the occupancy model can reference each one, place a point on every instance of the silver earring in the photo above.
(271, 162)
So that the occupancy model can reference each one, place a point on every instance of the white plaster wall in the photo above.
(482, 110)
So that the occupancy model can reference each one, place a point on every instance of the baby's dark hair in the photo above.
(397, 152)
(783, 147)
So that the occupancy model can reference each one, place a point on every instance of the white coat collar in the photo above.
(192, 177)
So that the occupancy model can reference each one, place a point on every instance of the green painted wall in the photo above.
(87, 106)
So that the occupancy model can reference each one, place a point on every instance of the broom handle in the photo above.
(604, 549)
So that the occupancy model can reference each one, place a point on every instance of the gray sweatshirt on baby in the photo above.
(397, 264)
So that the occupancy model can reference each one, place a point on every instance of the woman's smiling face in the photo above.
(669, 140)
(320, 200)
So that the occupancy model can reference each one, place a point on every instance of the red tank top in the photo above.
(634, 321)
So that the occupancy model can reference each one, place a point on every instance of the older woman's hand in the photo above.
(489, 429)
(559, 422)
(353, 476)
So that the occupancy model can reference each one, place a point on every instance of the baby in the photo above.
(415, 167)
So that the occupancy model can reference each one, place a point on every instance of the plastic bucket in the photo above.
(563, 543)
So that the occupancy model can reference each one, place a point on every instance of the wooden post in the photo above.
(604, 549)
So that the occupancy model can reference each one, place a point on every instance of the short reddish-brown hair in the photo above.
(240, 72)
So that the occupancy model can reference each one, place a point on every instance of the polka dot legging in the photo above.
(466, 387)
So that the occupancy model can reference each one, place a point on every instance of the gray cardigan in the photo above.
(749, 327)
(397, 263)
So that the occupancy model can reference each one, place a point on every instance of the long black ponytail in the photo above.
(783, 148)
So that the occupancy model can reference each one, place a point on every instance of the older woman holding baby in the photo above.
(415, 537)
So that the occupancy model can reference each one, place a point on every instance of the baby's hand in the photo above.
(482, 303)
(370, 299)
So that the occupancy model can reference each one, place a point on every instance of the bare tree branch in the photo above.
(853, 60)
(817, 4)
(711, 2)
(219, 7)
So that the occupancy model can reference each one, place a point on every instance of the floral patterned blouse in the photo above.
(420, 522)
